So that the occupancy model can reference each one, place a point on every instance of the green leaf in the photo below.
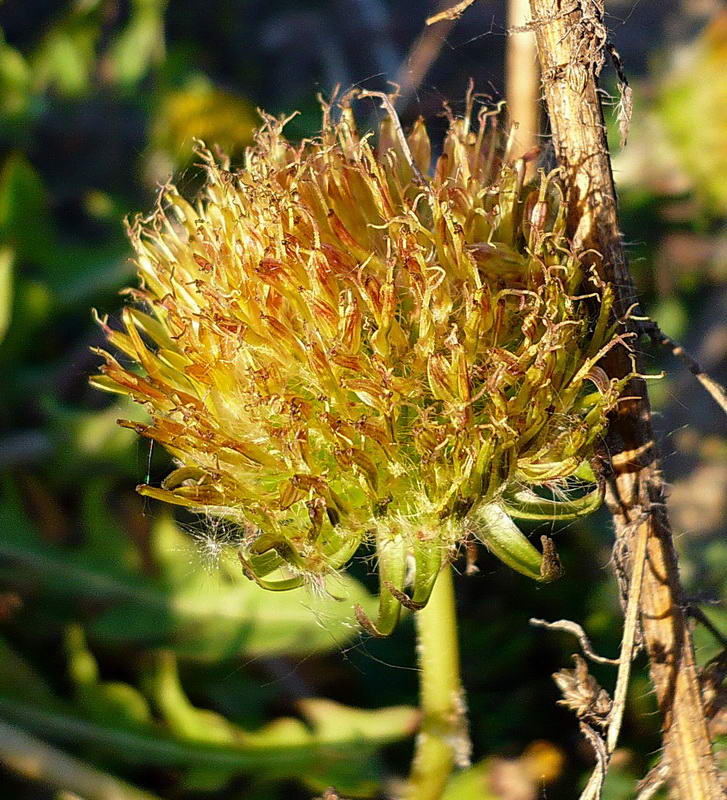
(201, 609)
(74, 272)
(19, 679)
(66, 56)
(32, 306)
(6, 288)
(107, 546)
(334, 722)
(706, 644)
(215, 612)
(106, 702)
(15, 80)
(286, 749)
(37, 761)
(85, 440)
(25, 221)
(140, 44)
(331, 723)
(471, 784)
(529, 774)
(331, 744)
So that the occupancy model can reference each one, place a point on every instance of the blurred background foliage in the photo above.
(132, 651)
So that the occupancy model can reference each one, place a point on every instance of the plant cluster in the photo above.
(341, 346)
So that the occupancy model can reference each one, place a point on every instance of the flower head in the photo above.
(339, 345)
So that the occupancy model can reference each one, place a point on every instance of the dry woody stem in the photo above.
(419, 59)
(522, 82)
(571, 42)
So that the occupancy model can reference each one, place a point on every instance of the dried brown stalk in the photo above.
(522, 81)
(574, 628)
(571, 42)
(716, 391)
(454, 12)
(424, 52)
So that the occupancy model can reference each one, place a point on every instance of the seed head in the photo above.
(339, 345)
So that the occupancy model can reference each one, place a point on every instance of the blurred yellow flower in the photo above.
(203, 111)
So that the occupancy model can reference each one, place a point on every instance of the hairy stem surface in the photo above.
(442, 742)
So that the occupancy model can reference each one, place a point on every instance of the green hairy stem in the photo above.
(443, 742)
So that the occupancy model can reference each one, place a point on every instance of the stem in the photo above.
(443, 740)
(571, 41)
(522, 81)
(421, 56)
